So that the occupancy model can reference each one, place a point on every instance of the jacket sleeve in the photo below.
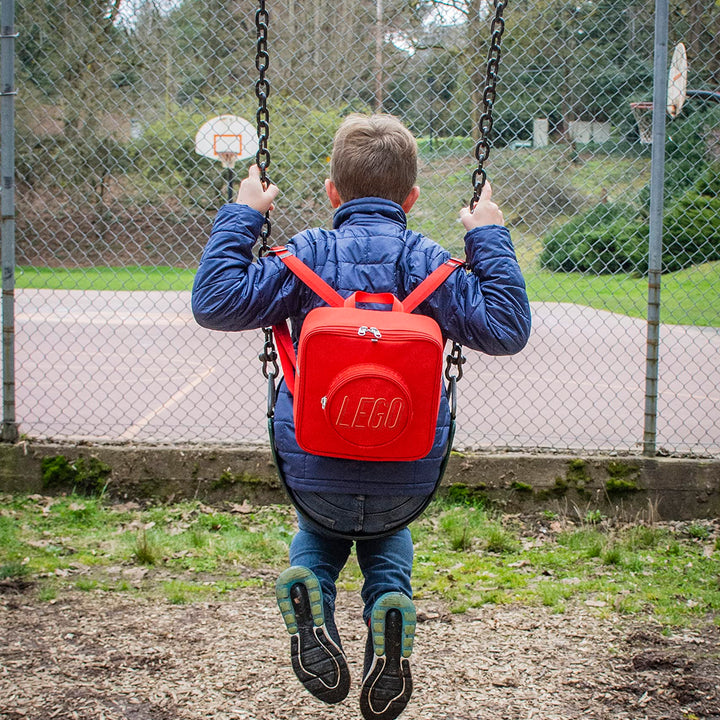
(232, 291)
(487, 308)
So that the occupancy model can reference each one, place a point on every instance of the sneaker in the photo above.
(387, 683)
(317, 656)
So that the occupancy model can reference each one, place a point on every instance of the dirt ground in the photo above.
(104, 656)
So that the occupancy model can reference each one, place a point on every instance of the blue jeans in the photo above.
(386, 562)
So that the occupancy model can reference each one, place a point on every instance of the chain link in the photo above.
(484, 143)
(456, 358)
(269, 356)
(482, 153)
(262, 91)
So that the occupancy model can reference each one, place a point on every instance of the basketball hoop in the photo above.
(676, 95)
(643, 112)
(228, 159)
(227, 138)
(677, 81)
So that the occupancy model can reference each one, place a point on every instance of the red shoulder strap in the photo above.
(308, 276)
(286, 353)
(431, 283)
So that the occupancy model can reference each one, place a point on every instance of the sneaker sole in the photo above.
(318, 662)
(387, 687)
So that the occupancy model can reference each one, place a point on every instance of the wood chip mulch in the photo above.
(112, 656)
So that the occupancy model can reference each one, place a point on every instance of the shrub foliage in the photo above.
(613, 237)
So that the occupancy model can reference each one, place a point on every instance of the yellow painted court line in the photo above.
(134, 429)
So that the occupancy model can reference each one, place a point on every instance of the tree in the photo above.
(78, 63)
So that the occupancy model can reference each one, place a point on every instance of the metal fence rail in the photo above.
(109, 205)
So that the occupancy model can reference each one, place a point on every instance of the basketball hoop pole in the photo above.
(657, 177)
(230, 175)
(228, 160)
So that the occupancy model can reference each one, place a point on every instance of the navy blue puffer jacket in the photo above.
(371, 249)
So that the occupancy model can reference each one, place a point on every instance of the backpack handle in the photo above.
(380, 298)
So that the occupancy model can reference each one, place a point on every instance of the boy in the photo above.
(371, 187)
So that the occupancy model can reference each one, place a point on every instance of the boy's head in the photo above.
(373, 156)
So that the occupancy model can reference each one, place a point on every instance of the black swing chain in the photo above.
(262, 159)
(262, 90)
(457, 359)
(479, 176)
(484, 143)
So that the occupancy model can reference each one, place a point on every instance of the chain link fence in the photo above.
(113, 205)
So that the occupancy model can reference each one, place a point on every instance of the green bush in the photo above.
(609, 238)
(509, 126)
(709, 182)
(613, 238)
(70, 160)
(686, 152)
(168, 145)
(300, 147)
(692, 231)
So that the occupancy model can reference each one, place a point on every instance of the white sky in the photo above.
(130, 8)
(440, 15)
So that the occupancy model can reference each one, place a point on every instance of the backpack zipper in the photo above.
(364, 329)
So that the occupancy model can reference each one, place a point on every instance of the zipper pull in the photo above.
(364, 329)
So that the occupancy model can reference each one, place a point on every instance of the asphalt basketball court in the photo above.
(122, 366)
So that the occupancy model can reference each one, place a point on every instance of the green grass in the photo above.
(105, 278)
(661, 572)
(465, 556)
(688, 297)
(431, 148)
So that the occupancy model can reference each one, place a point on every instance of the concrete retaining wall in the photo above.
(631, 487)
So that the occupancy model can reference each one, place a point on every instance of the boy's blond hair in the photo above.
(373, 156)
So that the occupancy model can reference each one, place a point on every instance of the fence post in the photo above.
(7, 209)
(657, 180)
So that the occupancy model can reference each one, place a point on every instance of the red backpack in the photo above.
(366, 384)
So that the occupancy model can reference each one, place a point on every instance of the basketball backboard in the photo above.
(677, 81)
(677, 93)
(226, 138)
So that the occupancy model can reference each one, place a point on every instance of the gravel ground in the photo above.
(112, 656)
